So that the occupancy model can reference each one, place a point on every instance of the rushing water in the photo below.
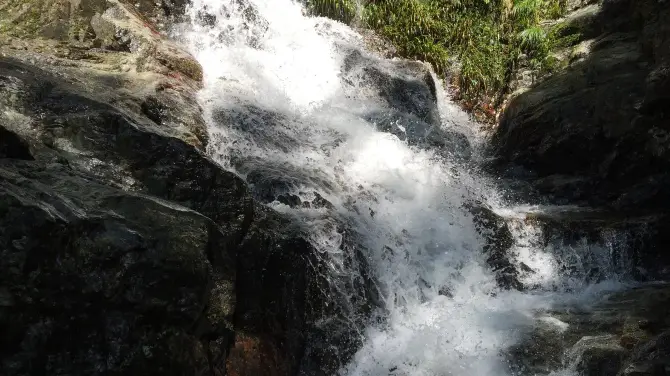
(287, 114)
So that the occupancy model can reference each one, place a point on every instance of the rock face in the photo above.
(98, 280)
(123, 248)
(624, 333)
(498, 243)
(597, 132)
(408, 93)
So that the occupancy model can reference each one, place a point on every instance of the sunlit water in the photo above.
(282, 115)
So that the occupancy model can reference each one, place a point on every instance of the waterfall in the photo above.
(291, 110)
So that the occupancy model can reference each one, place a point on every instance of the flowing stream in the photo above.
(291, 109)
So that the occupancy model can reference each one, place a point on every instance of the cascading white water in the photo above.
(281, 114)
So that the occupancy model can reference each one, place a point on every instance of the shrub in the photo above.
(486, 37)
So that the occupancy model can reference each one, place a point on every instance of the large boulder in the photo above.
(125, 249)
(80, 28)
(71, 20)
(650, 358)
(596, 133)
(406, 92)
(621, 333)
(97, 280)
(498, 244)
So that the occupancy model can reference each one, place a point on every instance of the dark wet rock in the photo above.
(278, 288)
(404, 85)
(12, 146)
(118, 179)
(408, 91)
(290, 200)
(445, 291)
(616, 242)
(595, 133)
(270, 180)
(651, 358)
(263, 127)
(124, 248)
(320, 202)
(620, 333)
(448, 142)
(103, 280)
(100, 181)
(109, 142)
(598, 356)
(335, 338)
(539, 352)
(302, 200)
(408, 127)
(498, 243)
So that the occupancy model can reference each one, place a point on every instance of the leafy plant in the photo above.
(341, 10)
(486, 37)
(533, 39)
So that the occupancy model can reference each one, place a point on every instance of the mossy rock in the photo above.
(181, 62)
(54, 19)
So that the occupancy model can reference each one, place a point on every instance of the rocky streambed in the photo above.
(127, 249)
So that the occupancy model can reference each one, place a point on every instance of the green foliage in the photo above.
(527, 12)
(341, 10)
(533, 39)
(553, 9)
(563, 35)
(485, 36)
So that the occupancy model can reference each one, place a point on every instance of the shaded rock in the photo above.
(619, 333)
(70, 21)
(124, 247)
(598, 356)
(498, 244)
(409, 91)
(540, 350)
(162, 13)
(406, 86)
(566, 188)
(584, 20)
(578, 4)
(587, 120)
(277, 284)
(104, 280)
(650, 358)
(12, 146)
(595, 133)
